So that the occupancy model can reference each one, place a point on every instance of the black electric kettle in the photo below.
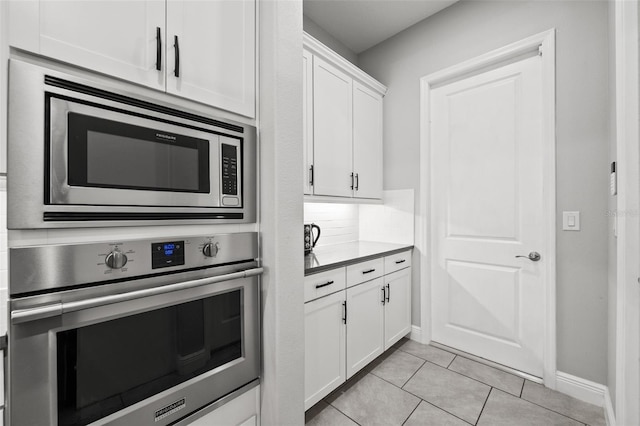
(309, 240)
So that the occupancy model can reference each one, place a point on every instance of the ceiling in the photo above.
(361, 24)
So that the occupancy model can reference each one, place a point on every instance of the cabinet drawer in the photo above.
(318, 285)
(364, 271)
(395, 262)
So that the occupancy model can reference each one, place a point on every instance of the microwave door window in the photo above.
(109, 154)
(117, 161)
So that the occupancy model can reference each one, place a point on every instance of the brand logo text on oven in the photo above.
(166, 137)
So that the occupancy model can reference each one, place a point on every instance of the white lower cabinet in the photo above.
(365, 324)
(348, 328)
(397, 308)
(243, 410)
(324, 351)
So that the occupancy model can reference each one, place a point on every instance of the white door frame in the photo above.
(627, 348)
(546, 43)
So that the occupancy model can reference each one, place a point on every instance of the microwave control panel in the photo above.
(229, 169)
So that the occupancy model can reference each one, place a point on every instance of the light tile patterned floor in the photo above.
(414, 384)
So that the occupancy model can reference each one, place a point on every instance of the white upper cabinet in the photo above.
(307, 121)
(345, 115)
(367, 142)
(332, 118)
(118, 38)
(136, 41)
(211, 53)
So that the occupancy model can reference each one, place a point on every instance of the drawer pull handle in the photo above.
(384, 295)
(369, 271)
(344, 316)
(324, 285)
(388, 293)
(400, 261)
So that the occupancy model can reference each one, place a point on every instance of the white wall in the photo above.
(471, 28)
(613, 260)
(280, 124)
(327, 39)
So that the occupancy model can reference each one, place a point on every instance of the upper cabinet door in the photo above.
(367, 142)
(307, 121)
(332, 119)
(211, 53)
(118, 38)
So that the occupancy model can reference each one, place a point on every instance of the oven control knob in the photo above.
(211, 249)
(116, 259)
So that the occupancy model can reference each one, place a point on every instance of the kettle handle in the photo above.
(315, 240)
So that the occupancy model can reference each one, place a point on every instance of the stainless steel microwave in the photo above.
(83, 153)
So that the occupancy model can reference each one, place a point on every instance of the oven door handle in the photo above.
(19, 316)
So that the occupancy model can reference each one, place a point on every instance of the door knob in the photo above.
(534, 256)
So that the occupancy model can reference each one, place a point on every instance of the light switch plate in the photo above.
(570, 221)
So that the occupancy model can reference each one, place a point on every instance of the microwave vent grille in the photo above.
(87, 90)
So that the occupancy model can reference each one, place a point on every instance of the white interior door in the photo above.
(487, 208)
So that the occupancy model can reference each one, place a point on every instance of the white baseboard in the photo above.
(416, 334)
(609, 413)
(582, 389)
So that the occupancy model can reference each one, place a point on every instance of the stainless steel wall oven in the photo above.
(131, 332)
(82, 153)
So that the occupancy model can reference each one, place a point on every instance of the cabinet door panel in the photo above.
(397, 314)
(117, 38)
(365, 324)
(324, 347)
(241, 411)
(367, 142)
(216, 42)
(332, 120)
(307, 120)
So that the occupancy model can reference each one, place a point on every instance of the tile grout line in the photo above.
(463, 375)
(487, 384)
(414, 373)
(442, 409)
(554, 411)
(484, 405)
(412, 411)
(454, 358)
(340, 411)
(439, 408)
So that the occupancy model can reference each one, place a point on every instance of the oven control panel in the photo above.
(125, 259)
(167, 254)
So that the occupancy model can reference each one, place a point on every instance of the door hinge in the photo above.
(540, 50)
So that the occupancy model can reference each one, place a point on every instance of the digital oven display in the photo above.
(164, 255)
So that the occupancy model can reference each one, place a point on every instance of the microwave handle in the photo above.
(25, 315)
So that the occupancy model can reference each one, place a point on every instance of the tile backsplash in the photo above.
(391, 222)
(339, 223)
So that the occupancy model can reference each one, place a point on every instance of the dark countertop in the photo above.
(334, 256)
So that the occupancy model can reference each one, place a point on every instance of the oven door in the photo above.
(101, 156)
(150, 356)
